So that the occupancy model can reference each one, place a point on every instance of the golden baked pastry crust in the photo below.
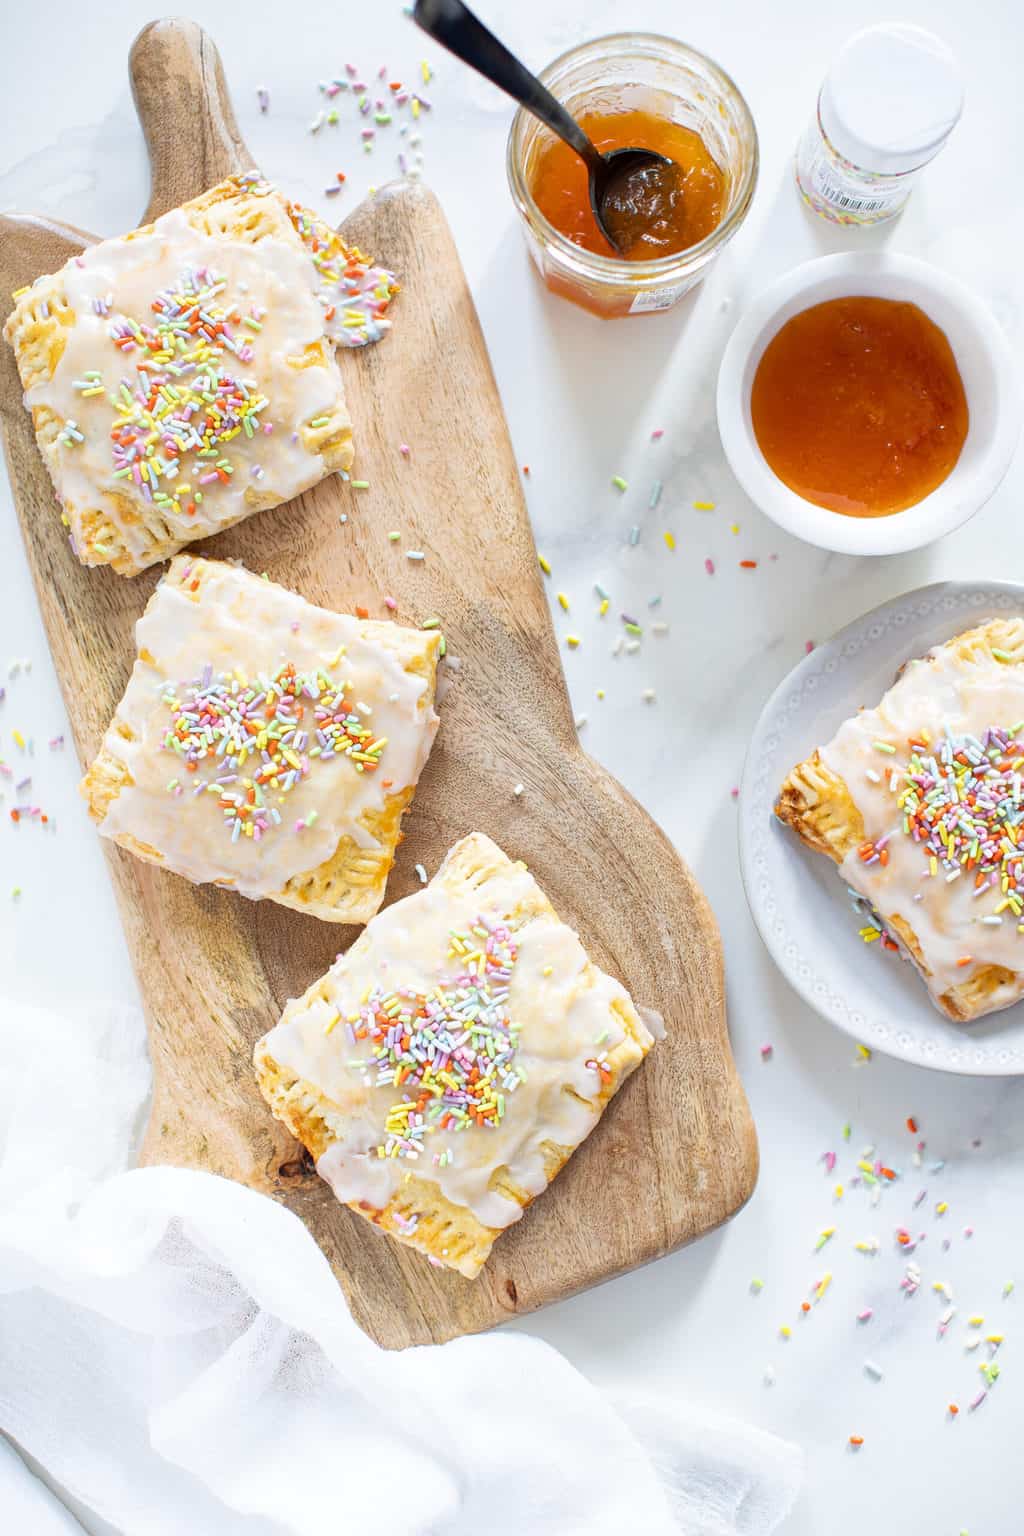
(348, 885)
(418, 1211)
(113, 521)
(817, 804)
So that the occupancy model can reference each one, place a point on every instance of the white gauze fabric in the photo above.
(176, 1353)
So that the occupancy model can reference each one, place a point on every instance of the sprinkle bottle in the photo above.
(889, 102)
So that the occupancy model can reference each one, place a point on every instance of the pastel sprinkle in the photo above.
(960, 803)
(450, 1054)
(545, 564)
(253, 742)
(619, 483)
(670, 539)
(704, 506)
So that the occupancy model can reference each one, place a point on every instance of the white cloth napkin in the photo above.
(175, 1351)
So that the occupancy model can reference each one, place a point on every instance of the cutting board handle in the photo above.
(185, 112)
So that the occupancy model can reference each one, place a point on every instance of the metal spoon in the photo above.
(616, 179)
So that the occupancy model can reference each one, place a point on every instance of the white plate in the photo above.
(798, 901)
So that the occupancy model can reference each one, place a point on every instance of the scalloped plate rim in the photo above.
(1007, 1039)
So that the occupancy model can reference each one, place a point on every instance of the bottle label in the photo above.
(854, 198)
(661, 298)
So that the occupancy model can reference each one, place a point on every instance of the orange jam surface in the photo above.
(658, 224)
(858, 406)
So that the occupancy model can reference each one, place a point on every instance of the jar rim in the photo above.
(617, 268)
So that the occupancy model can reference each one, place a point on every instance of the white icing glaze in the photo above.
(561, 1019)
(244, 623)
(933, 694)
(276, 276)
(352, 292)
(655, 1022)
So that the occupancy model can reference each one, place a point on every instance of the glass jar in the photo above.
(889, 102)
(628, 71)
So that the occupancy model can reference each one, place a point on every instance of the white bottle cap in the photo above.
(891, 98)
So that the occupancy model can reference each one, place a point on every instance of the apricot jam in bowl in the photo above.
(868, 403)
(640, 91)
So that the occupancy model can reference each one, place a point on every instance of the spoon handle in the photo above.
(454, 25)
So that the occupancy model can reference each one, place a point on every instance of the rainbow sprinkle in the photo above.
(963, 803)
(229, 723)
(452, 1051)
(186, 400)
(354, 293)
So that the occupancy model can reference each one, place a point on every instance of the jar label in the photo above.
(661, 298)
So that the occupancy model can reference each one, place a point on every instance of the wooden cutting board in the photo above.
(676, 1153)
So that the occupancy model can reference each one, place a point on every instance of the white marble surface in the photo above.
(582, 399)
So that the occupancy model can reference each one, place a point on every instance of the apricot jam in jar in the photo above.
(647, 92)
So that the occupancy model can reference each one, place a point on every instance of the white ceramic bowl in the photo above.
(986, 366)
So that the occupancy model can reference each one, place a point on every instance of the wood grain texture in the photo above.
(676, 1153)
